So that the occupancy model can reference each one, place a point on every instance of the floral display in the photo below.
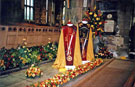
(96, 21)
(11, 58)
(64, 77)
(7, 61)
(103, 52)
(33, 72)
(49, 51)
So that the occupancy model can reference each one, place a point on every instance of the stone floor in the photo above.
(113, 73)
(18, 79)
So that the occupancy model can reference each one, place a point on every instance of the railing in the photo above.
(12, 36)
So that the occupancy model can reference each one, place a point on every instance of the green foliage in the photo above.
(10, 58)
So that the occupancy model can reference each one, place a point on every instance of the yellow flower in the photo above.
(102, 30)
(98, 29)
(90, 13)
(97, 19)
(21, 58)
(92, 25)
(95, 22)
(100, 23)
(29, 74)
(95, 15)
(23, 47)
(23, 61)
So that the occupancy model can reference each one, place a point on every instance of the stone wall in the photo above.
(12, 11)
(76, 10)
(124, 19)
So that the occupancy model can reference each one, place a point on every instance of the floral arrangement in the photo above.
(96, 21)
(62, 78)
(7, 61)
(11, 58)
(33, 72)
(49, 51)
(103, 53)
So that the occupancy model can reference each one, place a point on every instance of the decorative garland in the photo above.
(62, 78)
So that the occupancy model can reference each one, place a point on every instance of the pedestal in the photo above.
(70, 67)
(83, 62)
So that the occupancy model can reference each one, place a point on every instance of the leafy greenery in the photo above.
(11, 58)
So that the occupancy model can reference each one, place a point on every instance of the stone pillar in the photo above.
(124, 21)
(0, 11)
(74, 13)
(92, 4)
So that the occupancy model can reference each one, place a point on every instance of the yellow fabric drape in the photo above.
(77, 54)
(60, 61)
(90, 53)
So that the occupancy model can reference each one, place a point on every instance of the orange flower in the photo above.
(1, 62)
(36, 85)
(54, 86)
(38, 57)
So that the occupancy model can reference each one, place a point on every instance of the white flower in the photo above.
(41, 73)
(18, 48)
(33, 75)
(32, 65)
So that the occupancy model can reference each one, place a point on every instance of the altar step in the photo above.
(113, 73)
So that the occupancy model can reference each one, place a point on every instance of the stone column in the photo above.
(124, 22)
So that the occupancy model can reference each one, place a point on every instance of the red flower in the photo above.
(42, 83)
(41, 54)
(40, 49)
(5, 55)
(91, 10)
(8, 58)
(104, 22)
(45, 51)
(95, 32)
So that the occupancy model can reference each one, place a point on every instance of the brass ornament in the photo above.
(69, 58)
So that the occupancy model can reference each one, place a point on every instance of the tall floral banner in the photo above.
(96, 21)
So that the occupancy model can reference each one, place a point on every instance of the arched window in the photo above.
(28, 9)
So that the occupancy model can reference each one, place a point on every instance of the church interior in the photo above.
(67, 43)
